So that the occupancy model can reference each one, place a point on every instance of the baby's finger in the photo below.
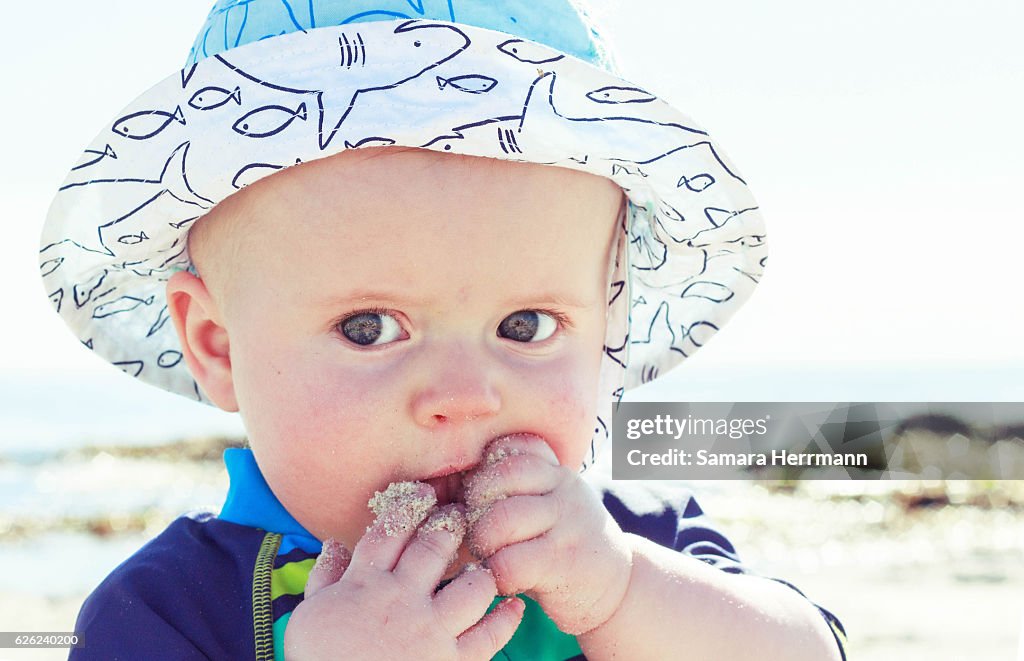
(400, 509)
(521, 443)
(486, 638)
(459, 604)
(514, 476)
(329, 568)
(512, 520)
(517, 568)
(425, 559)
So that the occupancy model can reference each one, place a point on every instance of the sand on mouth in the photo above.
(497, 454)
(404, 505)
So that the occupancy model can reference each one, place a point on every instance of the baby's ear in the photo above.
(203, 337)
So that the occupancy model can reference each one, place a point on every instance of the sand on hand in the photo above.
(334, 556)
(486, 494)
(402, 506)
(450, 517)
(329, 567)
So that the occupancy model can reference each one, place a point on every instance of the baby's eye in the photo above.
(528, 326)
(366, 328)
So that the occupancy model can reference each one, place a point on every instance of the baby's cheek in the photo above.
(571, 405)
(569, 402)
(333, 452)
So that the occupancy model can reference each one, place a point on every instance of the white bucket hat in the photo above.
(272, 83)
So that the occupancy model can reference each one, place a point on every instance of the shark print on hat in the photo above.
(233, 23)
(416, 49)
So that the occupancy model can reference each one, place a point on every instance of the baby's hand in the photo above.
(545, 533)
(383, 604)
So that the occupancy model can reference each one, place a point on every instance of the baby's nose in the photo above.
(460, 389)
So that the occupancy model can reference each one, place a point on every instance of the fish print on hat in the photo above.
(144, 124)
(469, 83)
(94, 156)
(213, 97)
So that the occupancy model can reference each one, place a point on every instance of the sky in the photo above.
(882, 141)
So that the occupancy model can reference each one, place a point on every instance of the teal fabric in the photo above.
(555, 23)
(537, 638)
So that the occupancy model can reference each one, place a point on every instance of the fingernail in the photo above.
(329, 567)
(495, 455)
(402, 506)
(334, 557)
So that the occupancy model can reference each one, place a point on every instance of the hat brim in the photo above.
(116, 230)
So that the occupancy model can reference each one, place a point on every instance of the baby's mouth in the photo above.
(448, 488)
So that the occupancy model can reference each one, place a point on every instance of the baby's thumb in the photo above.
(329, 567)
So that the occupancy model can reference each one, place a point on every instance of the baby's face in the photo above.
(387, 313)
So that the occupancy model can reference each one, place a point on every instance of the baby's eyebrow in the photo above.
(554, 298)
(364, 295)
(557, 299)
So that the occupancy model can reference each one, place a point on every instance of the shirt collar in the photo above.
(250, 502)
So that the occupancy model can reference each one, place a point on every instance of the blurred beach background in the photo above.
(884, 146)
(914, 569)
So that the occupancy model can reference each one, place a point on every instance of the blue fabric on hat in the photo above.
(555, 23)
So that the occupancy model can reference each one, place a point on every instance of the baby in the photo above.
(373, 334)
(422, 286)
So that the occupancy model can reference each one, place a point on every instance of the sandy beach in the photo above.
(914, 570)
(909, 581)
